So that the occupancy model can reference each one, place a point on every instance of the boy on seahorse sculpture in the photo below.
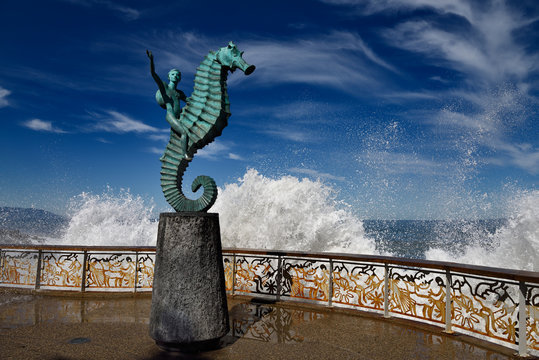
(196, 125)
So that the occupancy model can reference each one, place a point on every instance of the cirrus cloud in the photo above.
(41, 125)
(4, 93)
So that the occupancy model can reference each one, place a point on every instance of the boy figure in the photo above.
(168, 97)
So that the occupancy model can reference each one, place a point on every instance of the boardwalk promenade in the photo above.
(112, 326)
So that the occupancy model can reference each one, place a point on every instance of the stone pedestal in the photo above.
(189, 307)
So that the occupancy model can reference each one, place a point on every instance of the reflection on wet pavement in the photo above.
(29, 310)
(267, 323)
(47, 327)
(249, 320)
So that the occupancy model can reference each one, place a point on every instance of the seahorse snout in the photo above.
(246, 68)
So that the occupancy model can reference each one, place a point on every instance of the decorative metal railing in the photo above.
(497, 305)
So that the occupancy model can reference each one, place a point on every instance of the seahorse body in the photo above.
(202, 119)
(205, 116)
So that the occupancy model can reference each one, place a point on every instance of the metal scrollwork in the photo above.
(417, 293)
(306, 279)
(108, 271)
(486, 307)
(61, 270)
(19, 267)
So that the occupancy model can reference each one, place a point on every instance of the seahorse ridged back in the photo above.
(205, 116)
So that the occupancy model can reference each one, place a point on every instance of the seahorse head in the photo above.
(231, 57)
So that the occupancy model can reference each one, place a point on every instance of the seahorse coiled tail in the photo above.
(172, 170)
(203, 119)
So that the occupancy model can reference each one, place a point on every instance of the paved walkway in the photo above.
(61, 328)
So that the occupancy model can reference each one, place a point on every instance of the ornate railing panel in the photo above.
(256, 274)
(110, 271)
(305, 279)
(61, 270)
(488, 303)
(417, 293)
(228, 266)
(144, 271)
(18, 267)
(358, 285)
(532, 315)
(486, 306)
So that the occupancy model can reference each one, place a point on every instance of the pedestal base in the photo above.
(189, 299)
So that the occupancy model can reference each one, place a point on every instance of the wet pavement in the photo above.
(67, 327)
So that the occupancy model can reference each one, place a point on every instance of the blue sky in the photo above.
(409, 109)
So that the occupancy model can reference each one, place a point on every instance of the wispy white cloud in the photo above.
(213, 150)
(296, 112)
(449, 120)
(498, 69)
(104, 141)
(489, 130)
(411, 95)
(234, 156)
(218, 150)
(302, 110)
(340, 60)
(486, 49)
(289, 134)
(389, 162)
(106, 81)
(165, 48)
(439, 79)
(156, 150)
(116, 122)
(126, 12)
(373, 6)
(164, 137)
(522, 155)
(316, 174)
(4, 93)
(41, 125)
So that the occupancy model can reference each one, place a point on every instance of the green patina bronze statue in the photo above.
(203, 118)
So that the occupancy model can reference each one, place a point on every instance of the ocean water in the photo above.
(412, 238)
(289, 213)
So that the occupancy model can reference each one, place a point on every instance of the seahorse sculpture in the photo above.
(202, 119)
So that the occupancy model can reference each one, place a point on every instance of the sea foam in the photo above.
(110, 219)
(514, 246)
(288, 213)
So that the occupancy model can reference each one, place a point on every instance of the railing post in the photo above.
(136, 272)
(279, 277)
(448, 302)
(522, 343)
(386, 291)
(330, 292)
(84, 265)
(38, 269)
(233, 273)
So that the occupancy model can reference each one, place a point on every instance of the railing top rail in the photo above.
(510, 274)
(113, 249)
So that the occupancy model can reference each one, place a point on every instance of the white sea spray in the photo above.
(288, 214)
(110, 219)
(513, 246)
